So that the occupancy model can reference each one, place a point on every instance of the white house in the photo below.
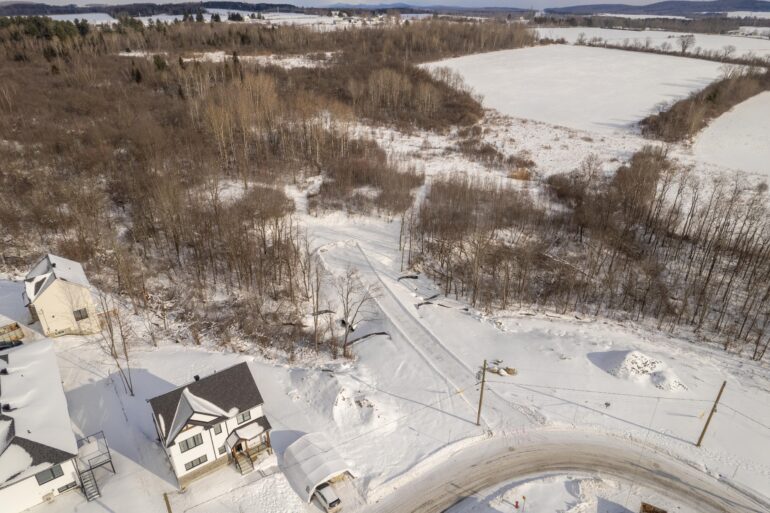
(58, 295)
(37, 445)
(212, 421)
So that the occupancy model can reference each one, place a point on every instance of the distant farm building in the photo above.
(212, 421)
(59, 295)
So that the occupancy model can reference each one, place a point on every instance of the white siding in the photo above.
(210, 446)
(27, 493)
(55, 307)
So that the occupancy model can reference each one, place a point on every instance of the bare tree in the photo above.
(116, 340)
(685, 42)
(354, 297)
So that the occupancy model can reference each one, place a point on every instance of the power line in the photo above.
(752, 419)
(600, 392)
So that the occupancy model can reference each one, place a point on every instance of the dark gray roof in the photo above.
(230, 388)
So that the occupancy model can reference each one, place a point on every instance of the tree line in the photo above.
(652, 243)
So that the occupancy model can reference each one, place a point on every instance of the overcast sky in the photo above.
(526, 4)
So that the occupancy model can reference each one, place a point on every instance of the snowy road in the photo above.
(481, 466)
(458, 375)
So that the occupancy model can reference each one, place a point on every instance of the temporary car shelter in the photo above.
(310, 461)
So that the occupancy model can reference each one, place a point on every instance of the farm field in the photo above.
(593, 89)
(739, 138)
(743, 45)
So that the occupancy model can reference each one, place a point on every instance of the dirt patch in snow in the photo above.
(637, 366)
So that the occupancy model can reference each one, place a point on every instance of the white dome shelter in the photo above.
(311, 461)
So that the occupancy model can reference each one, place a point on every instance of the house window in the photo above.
(66, 487)
(222, 449)
(194, 463)
(243, 417)
(80, 314)
(193, 441)
(49, 475)
(217, 429)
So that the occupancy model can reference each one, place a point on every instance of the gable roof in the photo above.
(205, 402)
(50, 268)
(35, 429)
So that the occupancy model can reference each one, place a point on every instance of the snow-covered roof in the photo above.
(50, 268)
(206, 401)
(248, 431)
(35, 428)
(310, 461)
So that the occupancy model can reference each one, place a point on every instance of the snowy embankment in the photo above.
(591, 89)
(572, 493)
(740, 138)
(742, 46)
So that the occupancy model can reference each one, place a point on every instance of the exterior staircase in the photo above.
(90, 488)
(245, 465)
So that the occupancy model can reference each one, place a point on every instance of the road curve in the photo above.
(478, 467)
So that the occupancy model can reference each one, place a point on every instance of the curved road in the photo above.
(491, 463)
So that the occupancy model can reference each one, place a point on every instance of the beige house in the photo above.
(58, 295)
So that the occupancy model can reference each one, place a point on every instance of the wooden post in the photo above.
(481, 395)
(713, 411)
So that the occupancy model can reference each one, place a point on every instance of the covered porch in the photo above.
(248, 442)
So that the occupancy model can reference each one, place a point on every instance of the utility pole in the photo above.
(481, 395)
(713, 411)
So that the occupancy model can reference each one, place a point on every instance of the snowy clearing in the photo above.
(283, 61)
(739, 138)
(593, 89)
(713, 42)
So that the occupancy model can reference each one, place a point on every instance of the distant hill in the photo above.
(671, 7)
(137, 9)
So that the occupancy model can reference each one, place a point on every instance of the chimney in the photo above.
(197, 378)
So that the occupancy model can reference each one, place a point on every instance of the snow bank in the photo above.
(564, 493)
(636, 366)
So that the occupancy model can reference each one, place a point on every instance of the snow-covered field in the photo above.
(585, 88)
(749, 14)
(646, 16)
(94, 18)
(714, 42)
(740, 138)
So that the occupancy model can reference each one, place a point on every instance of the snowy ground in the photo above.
(407, 402)
(565, 493)
(579, 87)
(740, 138)
(743, 45)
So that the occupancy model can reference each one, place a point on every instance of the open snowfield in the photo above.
(743, 45)
(593, 89)
(740, 138)
(646, 16)
(749, 14)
